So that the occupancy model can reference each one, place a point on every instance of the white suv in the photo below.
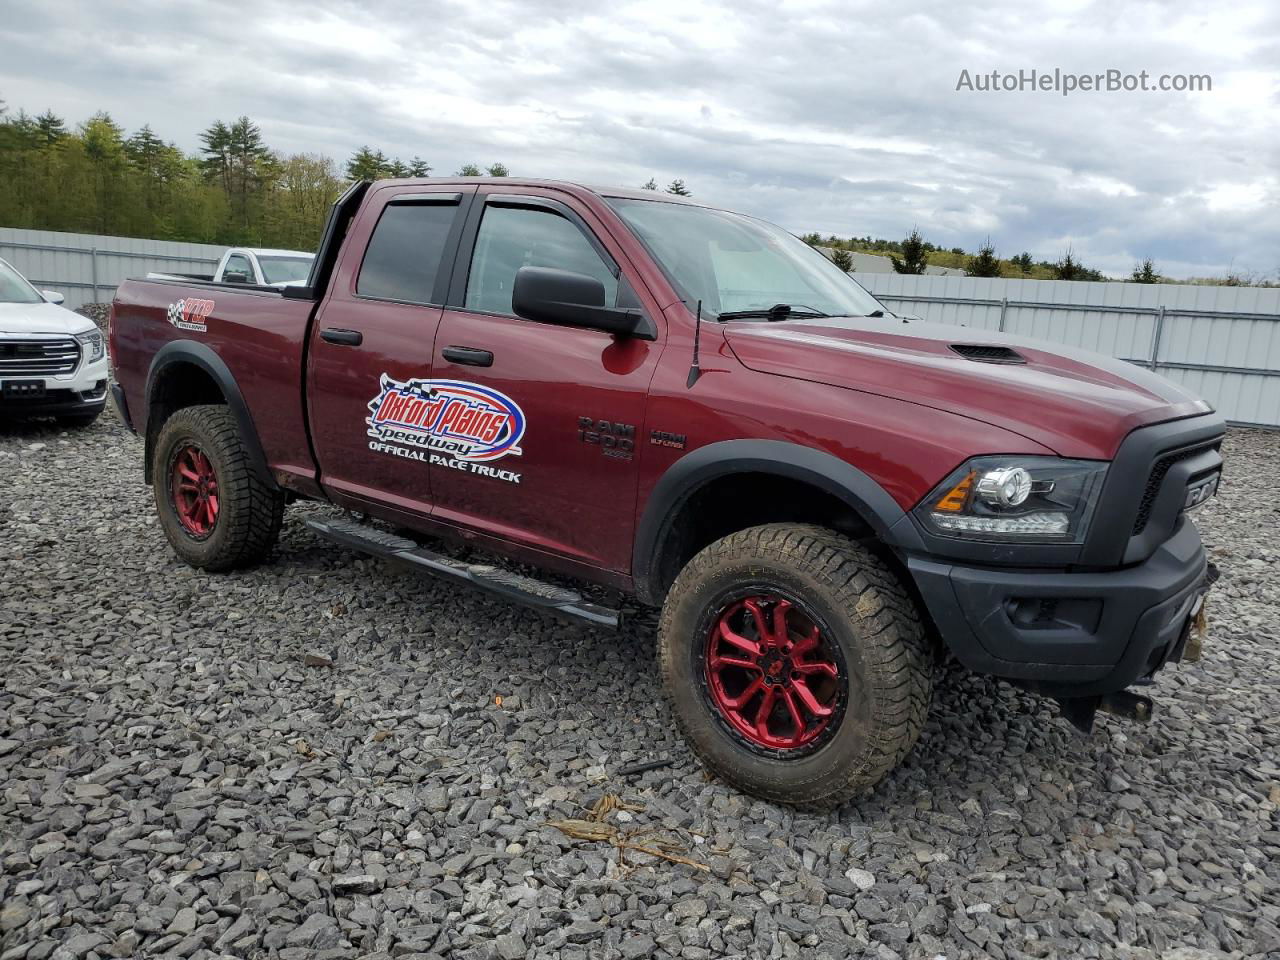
(52, 362)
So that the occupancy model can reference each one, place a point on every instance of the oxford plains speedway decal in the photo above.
(190, 314)
(448, 423)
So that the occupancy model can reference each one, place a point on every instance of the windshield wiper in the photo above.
(779, 311)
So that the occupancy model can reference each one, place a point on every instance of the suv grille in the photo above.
(1159, 470)
(38, 358)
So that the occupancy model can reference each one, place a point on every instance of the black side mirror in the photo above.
(548, 295)
(234, 276)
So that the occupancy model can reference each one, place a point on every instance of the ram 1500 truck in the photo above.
(693, 407)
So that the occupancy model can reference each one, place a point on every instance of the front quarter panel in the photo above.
(906, 448)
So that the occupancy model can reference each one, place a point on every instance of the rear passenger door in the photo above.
(370, 353)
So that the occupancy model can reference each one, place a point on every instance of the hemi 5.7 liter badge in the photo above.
(450, 423)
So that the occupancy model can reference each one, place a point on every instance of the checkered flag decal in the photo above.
(175, 313)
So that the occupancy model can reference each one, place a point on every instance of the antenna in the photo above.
(694, 370)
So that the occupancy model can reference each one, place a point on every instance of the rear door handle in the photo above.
(469, 356)
(344, 338)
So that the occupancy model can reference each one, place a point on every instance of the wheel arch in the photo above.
(658, 551)
(184, 373)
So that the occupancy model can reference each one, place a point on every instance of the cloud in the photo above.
(837, 117)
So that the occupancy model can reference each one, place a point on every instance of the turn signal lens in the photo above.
(955, 499)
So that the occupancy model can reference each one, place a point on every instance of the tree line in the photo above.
(235, 190)
(913, 254)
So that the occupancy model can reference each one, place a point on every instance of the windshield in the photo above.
(734, 263)
(285, 269)
(13, 289)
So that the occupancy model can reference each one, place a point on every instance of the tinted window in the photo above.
(405, 251)
(239, 264)
(285, 269)
(13, 289)
(513, 237)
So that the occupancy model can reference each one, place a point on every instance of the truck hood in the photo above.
(42, 317)
(1077, 403)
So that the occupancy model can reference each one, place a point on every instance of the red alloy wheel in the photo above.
(194, 487)
(771, 674)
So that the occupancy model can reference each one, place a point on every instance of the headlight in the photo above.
(91, 345)
(1032, 499)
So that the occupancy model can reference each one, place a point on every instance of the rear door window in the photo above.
(404, 255)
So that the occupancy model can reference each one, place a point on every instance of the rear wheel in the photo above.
(796, 663)
(216, 511)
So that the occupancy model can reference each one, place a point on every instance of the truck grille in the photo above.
(38, 358)
(1159, 470)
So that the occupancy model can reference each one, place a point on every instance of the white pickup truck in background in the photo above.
(254, 266)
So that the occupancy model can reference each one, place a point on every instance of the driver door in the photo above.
(562, 478)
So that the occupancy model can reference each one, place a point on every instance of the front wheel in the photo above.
(216, 511)
(796, 663)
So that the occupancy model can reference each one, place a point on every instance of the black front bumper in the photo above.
(56, 403)
(1069, 634)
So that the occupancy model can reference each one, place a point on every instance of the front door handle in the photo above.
(344, 338)
(468, 356)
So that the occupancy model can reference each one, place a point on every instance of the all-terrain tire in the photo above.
(871, 627)
(249, 511)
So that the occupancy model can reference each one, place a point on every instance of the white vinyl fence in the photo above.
(1223, 343)
(87, 269)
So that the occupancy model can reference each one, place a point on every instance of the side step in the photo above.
(502, 583)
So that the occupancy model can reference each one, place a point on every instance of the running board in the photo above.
(502, 583)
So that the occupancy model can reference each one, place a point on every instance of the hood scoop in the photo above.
(987, 353)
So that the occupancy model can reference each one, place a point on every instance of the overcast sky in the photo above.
(842, 118)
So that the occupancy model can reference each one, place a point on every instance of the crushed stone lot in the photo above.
(328, 757)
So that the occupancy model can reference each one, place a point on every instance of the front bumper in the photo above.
(1069, 634)
(82, 391)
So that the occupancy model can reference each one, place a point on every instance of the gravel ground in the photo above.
(312, 760)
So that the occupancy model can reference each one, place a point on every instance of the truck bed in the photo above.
(254, 336)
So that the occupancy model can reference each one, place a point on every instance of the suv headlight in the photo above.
(92, 346)
(1030, 499)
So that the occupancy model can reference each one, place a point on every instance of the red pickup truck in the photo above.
(693, 407)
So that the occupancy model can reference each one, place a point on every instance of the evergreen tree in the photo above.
(1068, 268)
(419, 168)
(51, 127)
(913, 254)
(812, 239)
(367, 164)
(985, 264)
(498, 170)
(1145, 272)
(842, 259)
(679, 189)
(1023, 262)
(651, 185)
(468, 170)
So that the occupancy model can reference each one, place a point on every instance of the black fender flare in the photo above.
(823, 470)
(203, 356)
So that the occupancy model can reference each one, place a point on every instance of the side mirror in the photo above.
(233, 276)
(53, 296)
(548, 295)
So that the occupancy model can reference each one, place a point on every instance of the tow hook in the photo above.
(1080, 711)
(1131, 706)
